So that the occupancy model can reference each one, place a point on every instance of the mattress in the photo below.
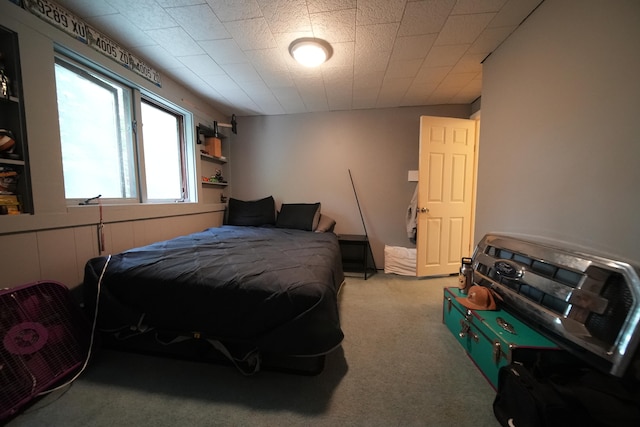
(271, 288)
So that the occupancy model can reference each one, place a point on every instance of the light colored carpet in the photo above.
(398, 366)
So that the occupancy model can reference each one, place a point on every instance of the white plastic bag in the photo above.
(399, 260)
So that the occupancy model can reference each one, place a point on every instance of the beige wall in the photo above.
(559, 149)
(306, 158)
(60, 254)
(55, 242)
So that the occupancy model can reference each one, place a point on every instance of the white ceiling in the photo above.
(387, 53)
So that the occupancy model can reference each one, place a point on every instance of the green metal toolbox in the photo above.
(485, 336)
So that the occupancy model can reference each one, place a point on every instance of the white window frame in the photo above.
(139, 95)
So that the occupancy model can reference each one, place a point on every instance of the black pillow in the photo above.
(252, 213)
(300, 216)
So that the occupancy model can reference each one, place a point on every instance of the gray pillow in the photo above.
(252, 213)
(325, 224)
(300, 216)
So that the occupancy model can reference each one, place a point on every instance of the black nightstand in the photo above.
(357, 256)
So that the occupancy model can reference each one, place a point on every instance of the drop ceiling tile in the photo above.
(126, 34)
(145, 14)
(461, 29)
(263, 97)
(177, 3)
(469, 93)
(403, 68)
(379, 11)
(315, 101)
(414, 99)
(432, 75)
(312, 92)
(439, 97)
(336, 26)
(370, 62)
(337, 75)
(289, 99)
(199, 21)
(188, 77)
(234, 10)
(514, 12)
(392, 92)
(374, 41)
(157, 56)
(227, 87)
(202, 65)
(285, 16)
(364, 101)
(242, 73)
(368, 81)
(412, 47)
(418, 93)
(394, 86)
(309, 82)
(441, 56)
(268, 60)
(425, 17)
(251, 34)
(469, 63)
(376, 38)
(220, 81)
(316, 6)
(275, 80)
(176, 41)
(339, 100)
(88, 8)
(224, 51)
(343, 56)
(242, 101)
(283, 40)
(465, 97)
(477, 6)
(458, 80)
(297, 71)
(490, 39)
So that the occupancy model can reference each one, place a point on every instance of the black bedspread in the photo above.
(273, 288)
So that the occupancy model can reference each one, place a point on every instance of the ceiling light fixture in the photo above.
(310, 52)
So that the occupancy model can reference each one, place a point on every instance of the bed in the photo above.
(261, 290)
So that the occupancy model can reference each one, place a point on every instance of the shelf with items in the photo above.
(15, 178)
(213, 145)
(219, 184)
(216, 159)
(11, 162)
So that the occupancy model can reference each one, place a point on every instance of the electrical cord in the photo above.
(93, 332)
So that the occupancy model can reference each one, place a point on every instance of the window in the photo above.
(100, 153)
(95, 129)
(162, 137)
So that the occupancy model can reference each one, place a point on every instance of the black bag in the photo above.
(563, 395)
(525, 401)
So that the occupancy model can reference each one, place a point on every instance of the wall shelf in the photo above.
(213, 158)
(11, 162)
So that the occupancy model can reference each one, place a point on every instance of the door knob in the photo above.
(424, 210)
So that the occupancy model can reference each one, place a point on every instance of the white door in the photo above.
(445, 194)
